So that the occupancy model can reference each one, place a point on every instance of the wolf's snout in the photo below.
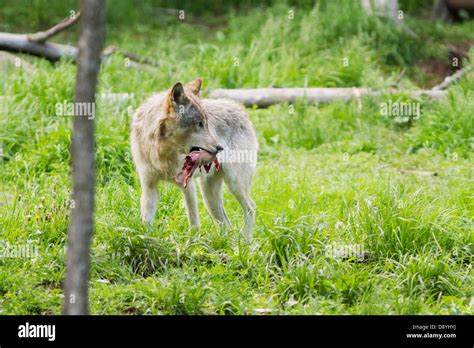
(218, 148)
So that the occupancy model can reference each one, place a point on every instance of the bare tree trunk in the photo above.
(83, 164)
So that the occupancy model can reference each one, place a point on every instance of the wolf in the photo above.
(174, 134)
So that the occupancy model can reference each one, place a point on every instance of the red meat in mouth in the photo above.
(197, 158)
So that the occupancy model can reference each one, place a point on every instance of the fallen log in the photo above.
(264, 97)
(449, 80)
(20, 43)
(36, 44)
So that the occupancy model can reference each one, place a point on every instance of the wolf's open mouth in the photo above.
(196, 158)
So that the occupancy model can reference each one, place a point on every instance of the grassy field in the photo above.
(328, 176)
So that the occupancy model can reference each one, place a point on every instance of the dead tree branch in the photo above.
(451, 79)
(36, 44)
(132, 56)
(264, 97)
(42, 36)
(51, 51)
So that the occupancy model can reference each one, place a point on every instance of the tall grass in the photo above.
(328, 175)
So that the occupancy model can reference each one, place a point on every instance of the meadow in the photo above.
(328, 176)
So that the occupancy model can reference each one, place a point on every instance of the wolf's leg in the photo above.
(211, 190)
(191, 204)
(239, 180)
(149, 199)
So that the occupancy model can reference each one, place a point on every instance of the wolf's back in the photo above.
(229, 121)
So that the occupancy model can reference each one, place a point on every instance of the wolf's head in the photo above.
(185, 120)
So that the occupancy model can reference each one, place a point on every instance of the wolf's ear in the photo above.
(177, 94)
(194, 86)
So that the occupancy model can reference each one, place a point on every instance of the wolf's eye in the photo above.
(200, 125)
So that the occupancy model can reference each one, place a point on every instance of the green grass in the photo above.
(328, 175)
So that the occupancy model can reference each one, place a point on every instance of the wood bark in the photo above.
(51, 51)
(449, 80)
(36, 44)
(42, 36)
(83, 163)
(264, 97)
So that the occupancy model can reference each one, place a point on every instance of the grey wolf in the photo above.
(174, 134)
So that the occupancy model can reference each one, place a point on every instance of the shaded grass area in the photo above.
(328, 177)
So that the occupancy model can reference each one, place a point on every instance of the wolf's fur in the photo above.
(168, 125)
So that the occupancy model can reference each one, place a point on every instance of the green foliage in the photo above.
(328, 175)
(449, 128)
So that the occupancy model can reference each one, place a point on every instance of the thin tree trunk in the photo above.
(83, 164)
